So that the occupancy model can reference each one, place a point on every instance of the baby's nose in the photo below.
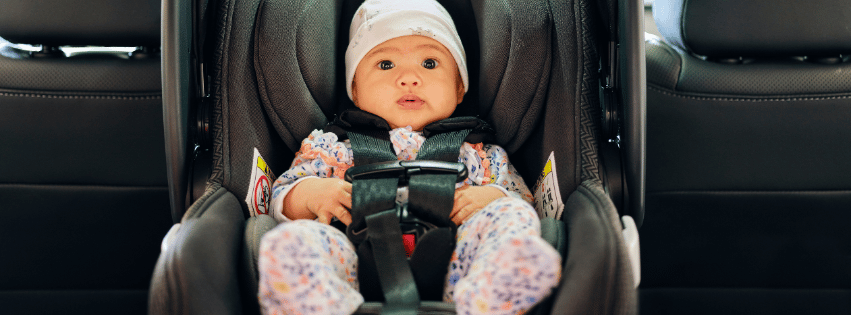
(409, 80)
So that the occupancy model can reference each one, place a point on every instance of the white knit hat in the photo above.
(378, 21)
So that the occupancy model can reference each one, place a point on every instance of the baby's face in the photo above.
(408, 81)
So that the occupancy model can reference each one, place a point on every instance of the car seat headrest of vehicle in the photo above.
(755, 28)
(91, 22)
(377, 21)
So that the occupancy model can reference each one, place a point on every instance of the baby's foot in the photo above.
(304, 269)
(511, 281)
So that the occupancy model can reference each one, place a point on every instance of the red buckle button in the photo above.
(410, 241)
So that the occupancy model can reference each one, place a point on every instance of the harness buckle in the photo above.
(405, 169)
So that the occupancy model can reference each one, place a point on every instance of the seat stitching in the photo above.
(108, 97)
(24, 185)
(755, 100)
(767, 192)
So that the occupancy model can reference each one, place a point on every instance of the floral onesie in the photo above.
(500, 264)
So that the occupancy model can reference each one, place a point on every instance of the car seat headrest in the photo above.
(91, 22)
(508, 61)
(754, 28)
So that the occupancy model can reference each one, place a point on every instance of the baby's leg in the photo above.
(501, 265)
(308, 267)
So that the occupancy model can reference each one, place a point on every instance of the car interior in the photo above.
(252, 107)
(746, 179)
(83, 183)
(696, 147)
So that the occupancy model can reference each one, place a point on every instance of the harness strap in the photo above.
(370, 196)
(394, 274)
(375, 226)
(431, 196)
(371, 146)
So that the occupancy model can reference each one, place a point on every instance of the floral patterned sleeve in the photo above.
(488, 165)
(321, 155)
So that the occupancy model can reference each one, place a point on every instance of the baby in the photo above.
(405, 63)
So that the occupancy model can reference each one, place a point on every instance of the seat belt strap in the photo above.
(372, 146)
(443, 146)
(431, 196)
(370, 196)
(394, 273)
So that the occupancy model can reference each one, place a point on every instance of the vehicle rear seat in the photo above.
(83, 189)
(748, 187)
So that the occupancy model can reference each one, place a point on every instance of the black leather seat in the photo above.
(83, 189)
(748, 187)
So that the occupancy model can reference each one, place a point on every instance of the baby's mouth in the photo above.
(410, 101)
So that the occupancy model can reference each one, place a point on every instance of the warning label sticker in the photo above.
(547, 194)
(259, 197)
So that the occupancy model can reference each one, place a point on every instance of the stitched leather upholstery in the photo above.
(83, 190)
(746, 167)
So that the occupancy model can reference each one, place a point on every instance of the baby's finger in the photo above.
(460, 203)
(346, 200)
(466, 213)
(460, 191)
(347, 187)
(324, 218)
(459, 216)
(343, 215)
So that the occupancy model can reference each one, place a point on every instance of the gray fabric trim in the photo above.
(295, 85)
(197, 209)
(219, 92)
(597, 276)
(245, 121)
(589, 111)
(426, 308)
(203, 260)
(514, 76)
(255, 228)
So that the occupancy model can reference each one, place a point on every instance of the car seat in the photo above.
(83, 187)
(748, 104)
(276, 75)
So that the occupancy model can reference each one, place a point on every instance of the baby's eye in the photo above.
(386, 65)
(429, 63)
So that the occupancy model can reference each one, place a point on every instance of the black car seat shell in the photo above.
(748, 106)
(83, 186)
(277, 75)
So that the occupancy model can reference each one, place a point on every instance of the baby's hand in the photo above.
(320, 198)
(471, 199)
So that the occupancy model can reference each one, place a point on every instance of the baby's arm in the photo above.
(312, 187)
(500, 180)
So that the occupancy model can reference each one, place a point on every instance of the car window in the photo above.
(649, 24)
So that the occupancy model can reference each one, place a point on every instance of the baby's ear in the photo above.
(354, 94)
